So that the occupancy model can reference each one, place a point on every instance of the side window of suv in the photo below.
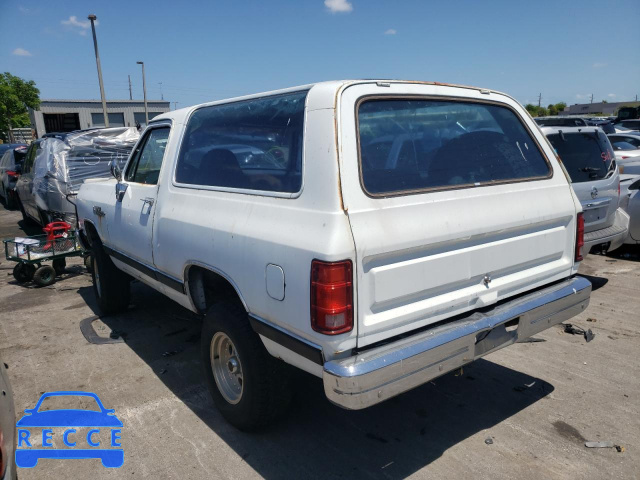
(147, 160)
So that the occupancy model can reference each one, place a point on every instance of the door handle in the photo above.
(148, 200)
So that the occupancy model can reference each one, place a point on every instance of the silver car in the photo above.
(589, 158)
(10, 168)
(630, 201)
(56, 166)
(7, 427)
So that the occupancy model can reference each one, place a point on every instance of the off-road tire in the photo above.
(266, 392)
(23, 272)
(44, 276)
(110, 285)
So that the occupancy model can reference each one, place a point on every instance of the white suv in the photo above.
(376, 234)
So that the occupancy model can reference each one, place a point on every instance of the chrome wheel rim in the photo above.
(226, 367)
(96, 276)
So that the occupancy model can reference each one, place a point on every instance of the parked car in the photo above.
(56, 166)
(10, 168)
(627, 149)
(630, 201)
(7, 427)
(606, 126)
(406, 229)
(6, 146)
(561, 121)
(628, 126)
(589, 160)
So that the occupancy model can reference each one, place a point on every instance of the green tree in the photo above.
(532, 109)
(560, 106)
(16, 95)
(553, 110)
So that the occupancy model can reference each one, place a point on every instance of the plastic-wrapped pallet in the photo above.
(63, 164)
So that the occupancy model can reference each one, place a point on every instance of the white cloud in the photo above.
(80, 26)
(612, 95)
(338, 6)
(599, 65)
(21, 52)
(391, 31)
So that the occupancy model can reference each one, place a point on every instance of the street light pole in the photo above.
(144, 90)
(92, 17)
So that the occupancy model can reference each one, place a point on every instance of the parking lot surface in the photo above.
(524, 412)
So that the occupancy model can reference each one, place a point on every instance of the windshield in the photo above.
(409, 145)
(587, 156)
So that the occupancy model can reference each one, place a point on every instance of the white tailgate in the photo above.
(422, 258)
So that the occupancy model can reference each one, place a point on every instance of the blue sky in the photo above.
(207, 50)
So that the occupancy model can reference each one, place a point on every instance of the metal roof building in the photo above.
(601, 108)
(69, 115)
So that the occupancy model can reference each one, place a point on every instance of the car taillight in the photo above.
(331, 297)
(579, 236)
(12, 173)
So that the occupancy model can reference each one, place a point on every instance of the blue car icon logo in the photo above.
(70, 420)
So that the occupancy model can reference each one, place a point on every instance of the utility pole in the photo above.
(92, 17)
(144, 90)
(539, 99)
(161, 94)
(591, 98)
(175, 105)
(130, 94)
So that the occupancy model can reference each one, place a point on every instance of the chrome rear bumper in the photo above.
(378, 374)
(615, 235)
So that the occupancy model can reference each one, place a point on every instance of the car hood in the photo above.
(69, 418)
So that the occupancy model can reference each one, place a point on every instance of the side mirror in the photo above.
(635, 185)
(115, 170)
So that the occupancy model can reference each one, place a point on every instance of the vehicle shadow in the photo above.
(596, 282)
(317, 439)
(626, 252)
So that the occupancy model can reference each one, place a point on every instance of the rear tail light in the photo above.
(331, 297)
(579, 236)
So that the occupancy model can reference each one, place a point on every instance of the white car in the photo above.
(627, 149)
(628, 126)
(398, 231)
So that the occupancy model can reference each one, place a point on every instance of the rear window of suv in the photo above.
(587, 156)
(413, 145)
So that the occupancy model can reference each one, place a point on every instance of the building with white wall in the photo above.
(69, 115)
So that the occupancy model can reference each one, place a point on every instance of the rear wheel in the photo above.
(110, 285)
(45, 276)
(23, 272)
(249, 387)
